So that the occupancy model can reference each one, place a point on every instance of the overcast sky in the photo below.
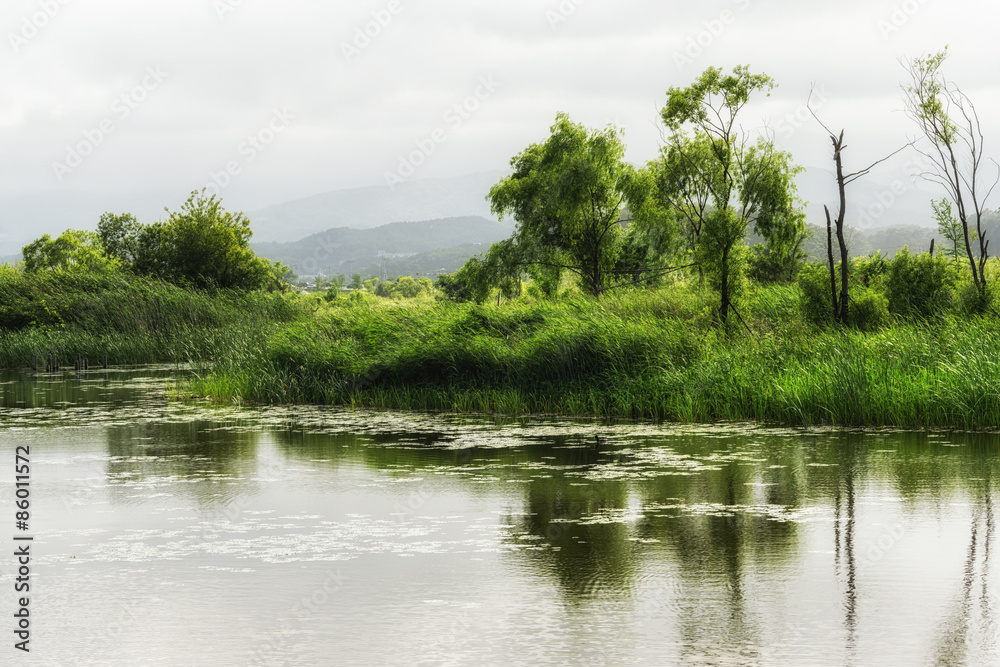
(142, 102)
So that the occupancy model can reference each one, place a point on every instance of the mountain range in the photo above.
(399, 245)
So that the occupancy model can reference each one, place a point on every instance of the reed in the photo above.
(635, 355)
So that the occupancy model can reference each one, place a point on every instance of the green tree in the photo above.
(781, 256)
(208, 246)
(566, 196)
(947, 118)
(722, 182)
(119, 236)
(950, 228)
(73, 250)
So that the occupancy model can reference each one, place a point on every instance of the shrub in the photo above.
(814, 284)
(919, 285)
(869, 310)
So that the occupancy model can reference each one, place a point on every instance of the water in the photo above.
(169, 534)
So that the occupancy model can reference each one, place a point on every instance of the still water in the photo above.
(169, 534)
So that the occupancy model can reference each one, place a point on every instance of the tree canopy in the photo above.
(720, 181)
(201, 245)
(566, 195)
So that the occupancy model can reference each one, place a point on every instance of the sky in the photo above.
(127, 105)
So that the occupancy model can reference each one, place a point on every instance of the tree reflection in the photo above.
(215, 463)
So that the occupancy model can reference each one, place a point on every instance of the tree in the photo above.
(949, 227)
(947, 119)
(119, 236)
(722, 181)
(566, 196)
(840, 301)
(208, 246)
(73, 250)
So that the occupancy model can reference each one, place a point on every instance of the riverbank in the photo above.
(128, 319)
(647, 355)
(644, 354)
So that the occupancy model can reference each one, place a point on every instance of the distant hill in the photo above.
(347, 251)
(431, 264)
(364, 208)
(889, 240)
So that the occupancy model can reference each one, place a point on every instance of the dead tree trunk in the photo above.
(841, 302)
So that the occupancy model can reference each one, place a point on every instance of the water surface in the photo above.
(170, 534)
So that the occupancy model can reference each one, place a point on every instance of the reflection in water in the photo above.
(464, 541)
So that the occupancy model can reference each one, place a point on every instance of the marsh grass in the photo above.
(634, 355)
(132, 320)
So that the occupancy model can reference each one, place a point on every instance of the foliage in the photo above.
(119, 236)
(919, 285)
(870, 270)
(633, 354)
(202, 245)
(950, 228)
(720, 182)
(869, 309)
(814, 285)
(73, 250)
(207, 246)
(405, 288)
(947, 118)
(781, 256)
(566, 196)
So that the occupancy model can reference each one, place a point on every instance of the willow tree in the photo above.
(566, 196)
(723, 180)
(947, 119)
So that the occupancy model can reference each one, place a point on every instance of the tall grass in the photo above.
(638, 355)
(130, 319)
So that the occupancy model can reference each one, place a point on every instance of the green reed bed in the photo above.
(132, 320)
(638, 355)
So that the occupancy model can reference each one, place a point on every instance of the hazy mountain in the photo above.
(873, 201)
(345, 251)
(364, 208)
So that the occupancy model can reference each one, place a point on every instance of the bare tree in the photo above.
(948, 120)
(840, 301)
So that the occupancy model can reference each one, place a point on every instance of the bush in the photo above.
(870, 270)
(919, 285)
(814, 284)
(868, 309)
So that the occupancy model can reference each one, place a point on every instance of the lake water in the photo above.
(169, 534)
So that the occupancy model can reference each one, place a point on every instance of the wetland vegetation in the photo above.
(624, 292)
